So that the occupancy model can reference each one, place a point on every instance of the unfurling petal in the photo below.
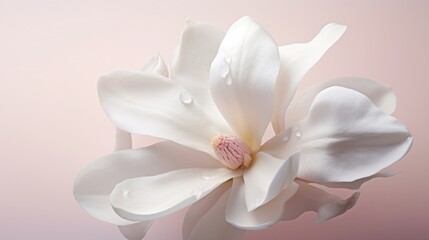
(242, 79)
(149, 104)
(156, 65)
(206, 218)
(267, 177)
(135, 231)
(382, 96)
(260, 218)
(345, 137)
(296, 60)
(151, 197)
(356, 184)
(94, 183)
(309, 198)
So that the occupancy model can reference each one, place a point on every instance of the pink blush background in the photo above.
(52, 52)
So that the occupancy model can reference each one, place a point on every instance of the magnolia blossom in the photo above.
(213, 109)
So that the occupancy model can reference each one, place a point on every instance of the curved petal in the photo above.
(135, 231)
(156, 65)
(242, 79)
(267, 177)
(191, 67)
(345, 137)
(123, 140)
(152, 197)
(309, 198)
(296, 60)
(382, 96)
(206, 218)
(149, 104)
(94, 182)
(356, 184)
(260, 218)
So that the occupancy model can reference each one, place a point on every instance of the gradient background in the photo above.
(52, 52)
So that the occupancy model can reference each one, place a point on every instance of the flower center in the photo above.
(231, 151)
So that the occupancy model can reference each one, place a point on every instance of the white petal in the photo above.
(152, 197)
(345, 137)
(191, 67)
(260, 218)
(123, 140)
(94, 183)
(296, 60)
(156, 65)
(267, 177)
(382, 96)
(309, 198)
(356, 184)
(149, 104)
(242, 79)
(135, 231)
(206, 218)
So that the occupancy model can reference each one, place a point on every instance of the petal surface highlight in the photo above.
(151, 197)
(345, 137)
(296, 61)
(242, 79)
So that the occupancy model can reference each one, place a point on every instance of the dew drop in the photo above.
(228, 81)
(185, 98)
(224, 68)
(297, 132)
(257, 202)
(205, 177)
(286, 137)
(227, 59)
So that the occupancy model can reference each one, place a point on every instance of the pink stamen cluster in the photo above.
(231, 151)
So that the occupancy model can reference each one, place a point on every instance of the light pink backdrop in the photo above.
(52, 52)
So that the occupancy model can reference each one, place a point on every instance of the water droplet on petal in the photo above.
(205, 177)
(286, 137)
(297, 132)
(227, 59)
(185, 98)
(257, 202)
(224, 68)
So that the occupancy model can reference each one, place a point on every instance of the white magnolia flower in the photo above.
(223, 91)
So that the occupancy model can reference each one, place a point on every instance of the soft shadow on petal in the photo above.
(149, 104)
(356, 184)
(382, 96)
(191, 67)
(135, 231)
(267, 177)
(345, 137)
(206, 218)
(296, 60)
(151, 197)
(309, 198)
(242, 79)
(260, 218)
(156, 65)
(94, 182)
(123, 140)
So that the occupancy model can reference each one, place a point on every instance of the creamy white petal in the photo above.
(356, 184)
(151, 197)
(267, 177)
(94, 182)
(260, 218)
(309, 198)
(149, 104)
(123, 140)
(296, 60)
(191, 66)
(382, 96)
(135, 231)
(156, 65)
(242, 79)
(345, 137)
(206, 218)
